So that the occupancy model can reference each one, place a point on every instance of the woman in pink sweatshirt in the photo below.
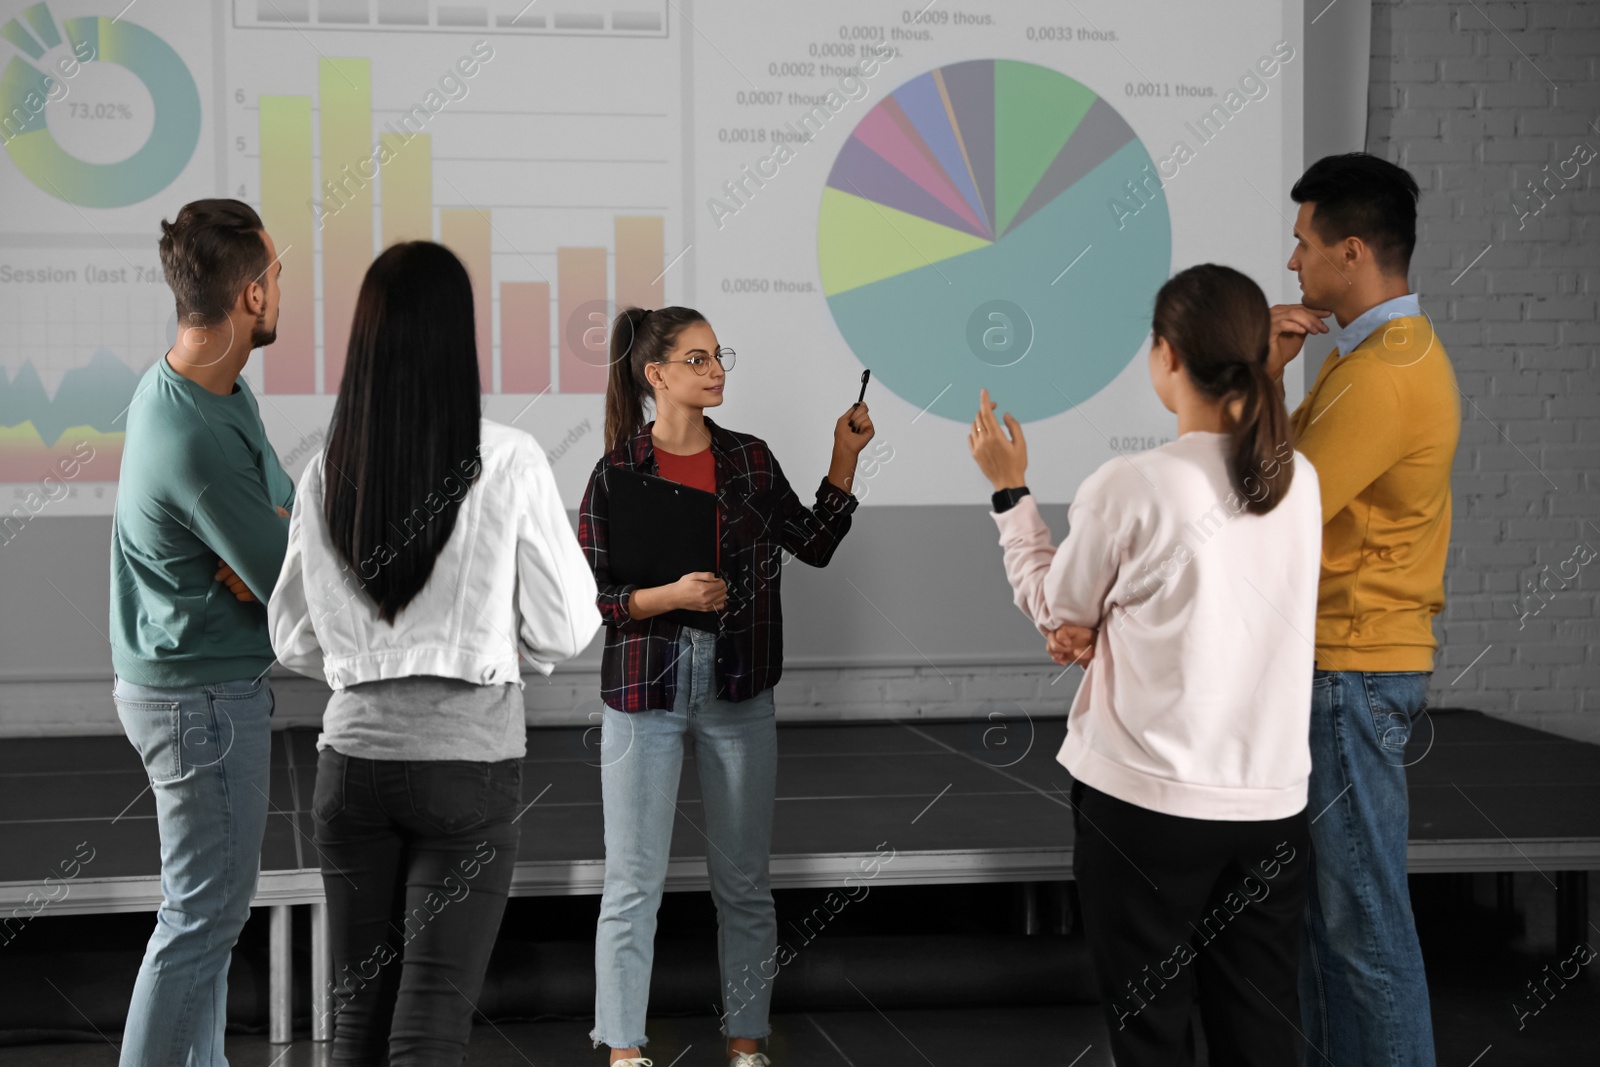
(1196, 564)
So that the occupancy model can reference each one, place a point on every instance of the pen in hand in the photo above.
(863, 395)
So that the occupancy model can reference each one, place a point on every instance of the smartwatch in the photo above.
(1006, 499)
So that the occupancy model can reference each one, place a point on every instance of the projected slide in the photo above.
(947, 216)
(956, 197)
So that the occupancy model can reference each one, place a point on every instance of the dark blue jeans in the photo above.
(1363, 993)
(417, 859)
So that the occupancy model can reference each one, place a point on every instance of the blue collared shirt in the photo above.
(1362, 325)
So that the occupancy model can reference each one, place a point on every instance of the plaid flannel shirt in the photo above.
(761, 517)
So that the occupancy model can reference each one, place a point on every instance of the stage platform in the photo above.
(921, 802)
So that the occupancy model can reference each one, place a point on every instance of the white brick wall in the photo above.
(1475, 102)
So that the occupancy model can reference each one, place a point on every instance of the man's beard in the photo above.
(260, 336)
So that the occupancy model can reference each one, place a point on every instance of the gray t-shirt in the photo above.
(426, 717)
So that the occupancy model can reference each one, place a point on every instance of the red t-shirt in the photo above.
(697, 471)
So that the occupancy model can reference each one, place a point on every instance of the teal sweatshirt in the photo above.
(200, 482)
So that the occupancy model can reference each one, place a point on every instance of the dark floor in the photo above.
(1037, 1037)
(1474, 1025)
(1486, 938)
(1481, 951)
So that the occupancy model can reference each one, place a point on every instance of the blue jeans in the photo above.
(207, 750)
(641, 759)
(1363, 992)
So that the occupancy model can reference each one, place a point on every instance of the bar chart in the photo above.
(343, 179)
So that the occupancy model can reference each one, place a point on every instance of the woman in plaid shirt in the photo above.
(663, 682)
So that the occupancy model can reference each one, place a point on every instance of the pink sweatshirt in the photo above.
(1198, 700)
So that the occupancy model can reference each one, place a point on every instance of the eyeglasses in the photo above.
(702, 362)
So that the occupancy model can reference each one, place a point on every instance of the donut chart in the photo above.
(149, 170)
(993, 223)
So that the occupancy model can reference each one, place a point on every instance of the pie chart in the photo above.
(25, 87)
(993, 223)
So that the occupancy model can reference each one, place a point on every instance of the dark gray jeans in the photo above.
(417, 857)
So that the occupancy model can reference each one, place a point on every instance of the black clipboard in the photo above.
(659, 531)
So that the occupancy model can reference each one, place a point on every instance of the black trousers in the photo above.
(417, 858)
(1179, 912)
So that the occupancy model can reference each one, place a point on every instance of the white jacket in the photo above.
(512, 577)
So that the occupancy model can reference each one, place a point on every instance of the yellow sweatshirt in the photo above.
(1380, 426)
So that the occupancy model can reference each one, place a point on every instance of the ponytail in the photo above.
(1217, 320)
(626, 389)
(639, 337)
(1260, 461)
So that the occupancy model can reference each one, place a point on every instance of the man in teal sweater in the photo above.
(200, 484)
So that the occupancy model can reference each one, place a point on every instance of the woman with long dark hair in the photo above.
(429, 550)
(1188, 740)
(665, 683)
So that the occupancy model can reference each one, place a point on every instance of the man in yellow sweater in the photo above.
(1380, 426)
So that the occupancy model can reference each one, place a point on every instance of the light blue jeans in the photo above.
(1363, 992)
(641, 760)
(207, 750)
